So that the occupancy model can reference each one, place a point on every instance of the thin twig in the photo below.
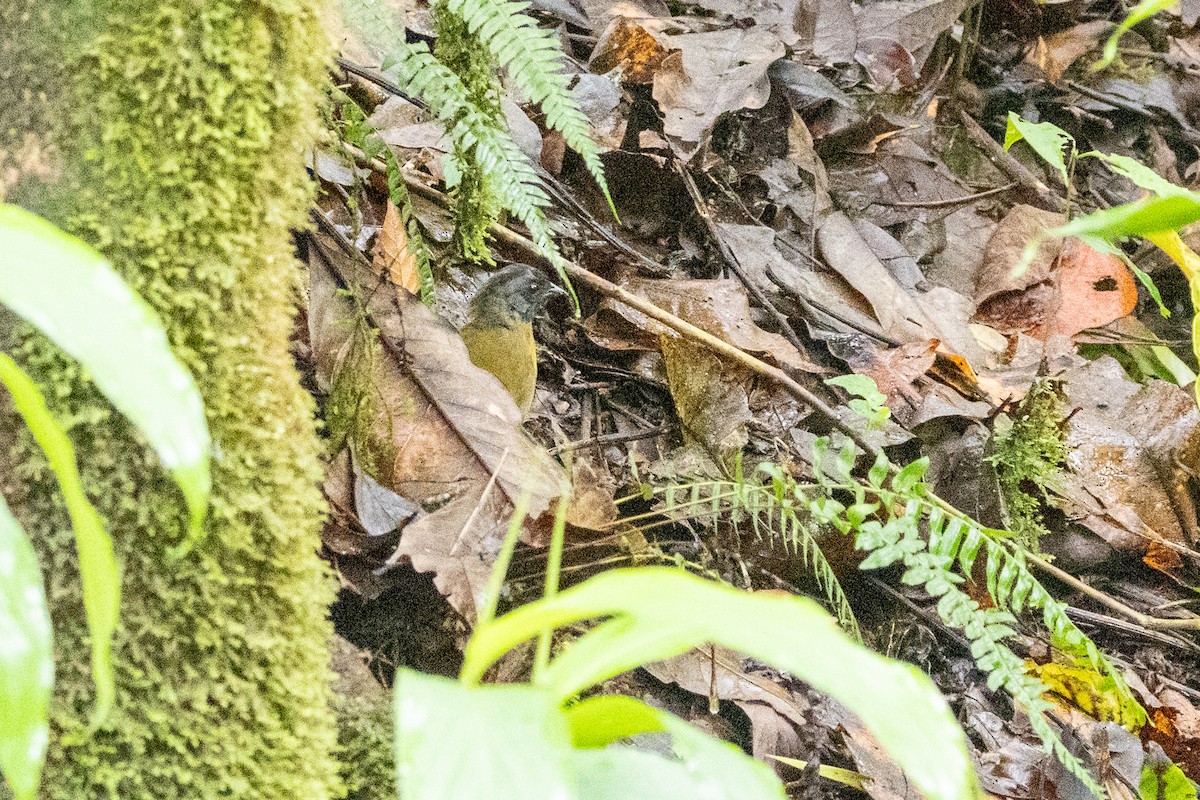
(734, 264)
(1009, 164)
(611, 438)
(953, 201)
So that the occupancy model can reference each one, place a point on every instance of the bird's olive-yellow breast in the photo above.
(499, 335)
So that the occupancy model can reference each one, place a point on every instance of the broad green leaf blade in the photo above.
(1046, 139)
(898, 704)
(599, 721)
(1147, 216)
(624, 773)
(1139, 174)
(721, 769)
(72, 295)
(97, 564)
(458, 743)
(26, 661)
(723, 766)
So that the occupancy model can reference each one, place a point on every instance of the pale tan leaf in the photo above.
(393, 256)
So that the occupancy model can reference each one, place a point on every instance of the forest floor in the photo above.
(825, 188)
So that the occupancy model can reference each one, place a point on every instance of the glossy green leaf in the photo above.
(72, 295)
(514, 742)
(1141, 12)
(26, 660)
(97, 563)
(455, 743)
(656, 613)
(1138, 173)
(1047, 140)
(1145, 216)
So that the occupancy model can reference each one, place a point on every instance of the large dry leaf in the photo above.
(708, 74)
(1065, 288)
(720, 307)
(939, 313)
(710, 397)
(717, 672)
(1131, 452)
(440, 428)
(915, 25)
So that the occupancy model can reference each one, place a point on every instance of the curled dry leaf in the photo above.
(440, 427)
(393, 257)
(1067, 287)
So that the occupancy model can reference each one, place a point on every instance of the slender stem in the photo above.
(553, 572)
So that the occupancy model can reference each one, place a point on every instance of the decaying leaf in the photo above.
(1131, 452)
(706, 74)
(1066, 287)
(447, 425)
(392, 256)
(720, 307)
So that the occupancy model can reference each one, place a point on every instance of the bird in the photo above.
(499, 333)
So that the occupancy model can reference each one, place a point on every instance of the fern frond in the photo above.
(534, 62)
(513, 178)
(928, 559)
(775, 517)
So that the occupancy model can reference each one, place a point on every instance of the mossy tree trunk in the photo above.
(170, 134)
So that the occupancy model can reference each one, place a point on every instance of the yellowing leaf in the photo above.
(393, 256)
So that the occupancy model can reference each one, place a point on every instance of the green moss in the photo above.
(1028, 453)
(365, 742)
(181, 127)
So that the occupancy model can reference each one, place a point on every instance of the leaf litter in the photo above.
(853, 188)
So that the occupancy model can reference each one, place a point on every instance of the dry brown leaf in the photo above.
(710, 397)
(719, 307)
(707, 74)
(1176, 727)
(393, 257)
(441, 428)
(1130, 451)
(1096, 288)
(632, 48)
(1053, 54)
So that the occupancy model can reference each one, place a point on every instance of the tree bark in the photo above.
(171, 134)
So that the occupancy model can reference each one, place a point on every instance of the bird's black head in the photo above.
(517, 291)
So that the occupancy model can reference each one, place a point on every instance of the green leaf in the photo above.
(656, 613)
(514, 743)
(909, 476)
(1163, 780)
(602, 720)
(26, 661)
(455, 743)
(73, 295)
(1148, 215)
(1141, 12)
(1138, 174)
(97, 563)
(860, 386)
(1046, 139)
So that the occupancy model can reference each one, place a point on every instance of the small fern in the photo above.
(773, 514)
(532, 58)
(897, 519)
(486, 171)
